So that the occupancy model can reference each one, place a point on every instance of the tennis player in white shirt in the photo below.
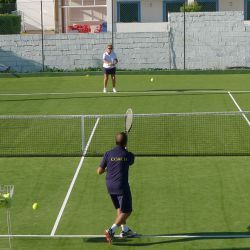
(109, 67)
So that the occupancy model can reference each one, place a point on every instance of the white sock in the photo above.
(124, 228)
(113, 228)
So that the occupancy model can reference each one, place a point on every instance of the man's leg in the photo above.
(113, 80)
(124, 213)
(109, 233)
(123, 205)
(120, 220)
(119, 212)
(121, 217)
(124, 227)
(114, 83)
(105, 82)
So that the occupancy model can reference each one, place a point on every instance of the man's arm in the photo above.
(100, 170)
(132, 158)
(109, 63)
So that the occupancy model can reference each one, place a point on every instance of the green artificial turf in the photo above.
(150, 101)
(174, 195)
(171, 195)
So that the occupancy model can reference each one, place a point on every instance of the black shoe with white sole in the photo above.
(128, 234)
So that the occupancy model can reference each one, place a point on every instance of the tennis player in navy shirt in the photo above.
(116, 163)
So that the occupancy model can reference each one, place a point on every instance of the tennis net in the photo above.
(171, 134)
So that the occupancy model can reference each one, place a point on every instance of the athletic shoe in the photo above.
(109, 235)
(114, 90)
(104, 90)
(128, 234)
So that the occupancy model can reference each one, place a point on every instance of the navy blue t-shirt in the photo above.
(117, 162)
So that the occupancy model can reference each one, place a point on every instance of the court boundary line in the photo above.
(127, 92)
(239, 108)
(73, 180)
(197, 236)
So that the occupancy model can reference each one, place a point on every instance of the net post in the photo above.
(82, 133)
(5, 205)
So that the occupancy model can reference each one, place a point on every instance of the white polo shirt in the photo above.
(109, 58)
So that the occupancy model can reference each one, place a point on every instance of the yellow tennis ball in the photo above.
(6, 196)
(35, 206)
(152, 79)
(87, 75)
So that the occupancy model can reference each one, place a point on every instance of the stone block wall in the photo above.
(213, 40)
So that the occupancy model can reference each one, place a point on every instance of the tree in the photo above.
(7, 6)
(192, 7)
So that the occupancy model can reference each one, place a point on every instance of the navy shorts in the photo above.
(111, 71)
(122, 201)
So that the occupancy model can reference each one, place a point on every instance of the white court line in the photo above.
(73, 181)
(205, 236)
(126, 92)
(237, 105)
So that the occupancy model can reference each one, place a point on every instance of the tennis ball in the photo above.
(6, 196)
(152, 79)
(87, 75)
(35, 206)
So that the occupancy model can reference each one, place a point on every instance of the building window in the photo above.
(208, 5)
(171, 6)
(128, 12)
(247, 9)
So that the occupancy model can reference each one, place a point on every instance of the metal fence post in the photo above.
(112, 32)
(42, 34)
(184, 38)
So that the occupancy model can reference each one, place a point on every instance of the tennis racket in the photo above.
(114, 62)
(128, 120)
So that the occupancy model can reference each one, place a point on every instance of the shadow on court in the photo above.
(94, 240)
(104, 96)
(132, 243)
(141, 241)
(178, 90)
(18, 63)
(37, 72)
(231, 248)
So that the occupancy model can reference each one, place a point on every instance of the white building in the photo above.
(96, 15)
(31, 14)
(152, 15)
(60, 15)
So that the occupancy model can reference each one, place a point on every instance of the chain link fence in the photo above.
(53, 35)
(73, 34)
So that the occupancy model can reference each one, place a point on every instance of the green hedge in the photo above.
(10, 24)
(7, 6)
(192, 7)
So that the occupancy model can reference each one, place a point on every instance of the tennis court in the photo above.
(180, 202)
